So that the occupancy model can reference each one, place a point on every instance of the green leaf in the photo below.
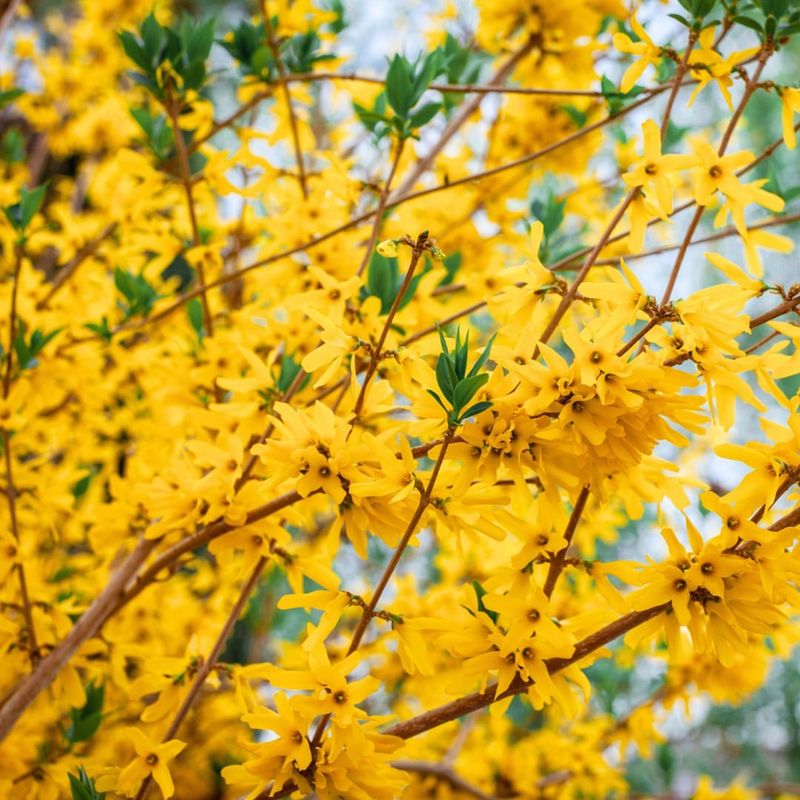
(135, 51)
(81, 486)
(262, 62)
(615, 99)
(153, 36)
(194, 310)
(477, 408)
(576, 115)
(481, 593)
(83, 788)
(86, 720)
(100, 328)
(383, 280)
(289, 371)
(465, 390)
(748, 23)
(437, 399)
(9, 95)
(27, 350)
(398, 85)
(424, 114)
(302, 51)
(430, 67)
(682, 20)
(483, 356)
(200, 41)
(24, 210)
(13, 146)
(137, 291)
(445, 377)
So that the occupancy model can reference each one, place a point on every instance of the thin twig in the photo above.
(416, 254)
(273, 45)
(208, 664)
(63, 274)
(384, 196)
(445, 773)
(11, 491)
(557, 563)
(369, 610)
(186, 180)
(87, 626)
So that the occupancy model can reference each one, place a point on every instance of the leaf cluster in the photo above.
(86, 720)
(27, 348)
(140, 296)
(384, 280)
(184, 49)
(82, 787)
(249, 46)
(399, 109)
(458, 385)
(25, 209)
(772, 20)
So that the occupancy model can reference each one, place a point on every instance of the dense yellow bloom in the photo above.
(378, 431)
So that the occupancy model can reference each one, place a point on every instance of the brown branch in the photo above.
(208, 664)
(368, 611)
(557, 563)
(788, 521)
(8, 15)
(228, 121)
(730, 230)
(12, 319)
(779, 310)
(750, 87)
(11, 496)
(390, 203)
(63, 274)
(678, 80)
(571, 293)
(472, 702)
(676, 267)
(207, 534)
(416, 254)
(11, 491)
(443, 773)
(87, 626)
(455, 88)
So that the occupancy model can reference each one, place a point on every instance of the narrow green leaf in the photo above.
(483, 356)
(465, 390)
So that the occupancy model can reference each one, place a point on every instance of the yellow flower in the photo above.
(387, 248)
(652, 172)
(649, 52)
(640, 212)
(790, 105)
(718, 173)
(151, 759)
(706, 66)
(328, 357)
(292, 744)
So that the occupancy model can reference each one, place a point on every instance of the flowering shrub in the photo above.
(342, 411)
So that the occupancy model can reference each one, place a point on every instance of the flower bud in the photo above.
(387, 248)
